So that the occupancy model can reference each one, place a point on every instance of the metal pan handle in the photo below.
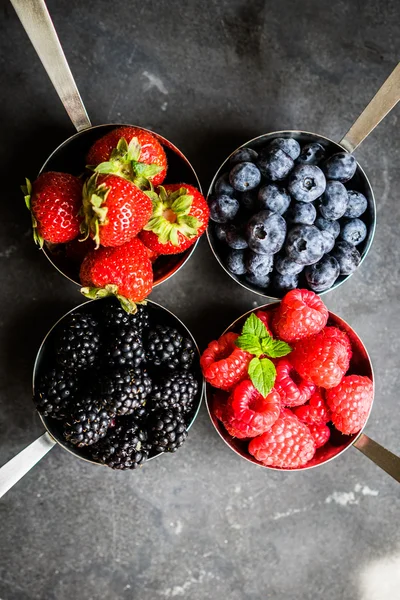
(17, 467)
(381, 104)
(37, 23)
(385, 459)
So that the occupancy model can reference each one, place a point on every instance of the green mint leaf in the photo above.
(262, 374)
(275, 348)
(255, 326)
(250, 343)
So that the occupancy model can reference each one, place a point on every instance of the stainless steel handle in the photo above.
(17, 467)
(384, 100)
(37, 23)
(385, 459)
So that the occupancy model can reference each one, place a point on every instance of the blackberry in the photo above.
(88, 422)
(116, 318)
(79, 342)
(123, 391)
(55, 393)
(176, 391)
(167, 347)
(167, 431)
(123, 448)
(124, 349)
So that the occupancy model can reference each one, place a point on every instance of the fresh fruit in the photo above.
(292, 389)
(250, 407)
(332, 227)
(328, 240)
(55, 393)
(129, 152)
(287, 445)
(235, 239)
(124, 271)
(273, 197)
(88, 422)
(223, 208)
(223, 363)
(167, 431)
(243, 155)
(353, 231)
(287, 266)
(54, 200)
(114, 210)
(274, 163)
(323, 274)
(356, 204)
(289, 145)
(315, 411)
(124, 447)
(223, 187)
(124, 348)
(167, 347)
(304, 244)
(285, 283)
(306, 183)
(341, 167)
(115, 318)
(78, 344)
(320, 434)
(350, 402)
(347, 256)
(334, 201)
(244, 176)
(180, 216)
(175, 391)
(258, 280)
(235, 262)
(123, 390)
(266, 232)
(301, 213)
(266, 318)
(300, 314)
(334, 333)
(249, 201)
(311, 154)
(258, 264)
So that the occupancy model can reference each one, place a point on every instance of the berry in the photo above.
(350, 403)
(320, 434)
(302, 213)
(285, 283)
(124, 349)
(130, 152)
(315, 412)
(248, 201)
(323, 274)
(286, 266)
(220, 230)
(223, 363)
(334, 201)
(177, 391)
(273, 197)
(223, 187)
(266, 232)
(356, 204)
(87, 423)
(311, 154)
(353, 231)
(251, 413)
(334, 333)
(167, 431)
(265, 317)
(243, 155)
(329, 241)
(300, 314)
(259, 280)
(274, 163)
(78, 343)
(223, 208)
(332, 227)
(287, 445)
(55, 393)
(115, 318)
(124, 390)
(347, 256)
(235, 262)
(258, 265)
(340, 166)
(290, 146)
(244, 176)
(235, 239)
(54, 200)
(219, 404)
(306, 183)
(293, 389)
(304, 244)
(124, 447)
(168, 348)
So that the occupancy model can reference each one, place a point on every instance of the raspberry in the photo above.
(293, 389)
(350, 402)
(315, 412)
(288, 444)
(300, 314)
(249, 412)
(334, 333)
(224, 364)
(219, 403)
(321, 358)
(265, 317)
(320, 433)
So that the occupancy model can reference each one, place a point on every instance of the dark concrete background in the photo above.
(201, 524)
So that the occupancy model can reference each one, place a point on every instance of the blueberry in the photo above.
(274, 163)
(220, 230)
(235, 262)
(301, 212)
(243, 155)
(244, 176)
(261, 281)
(223, 208)
(329, 241)
(356, 205)
(353, 231)
(323, 274)
(334, 201)
(249, 200)
(290, 146)
(222, 186)
(304, 244)
(311, 154)
(340, 166)
(259, 264)
(284, 283)
(347, 256)
(306, 183)
(266, 232)
(327, 225)
(287, 266)
(273, 197)
(235, 239)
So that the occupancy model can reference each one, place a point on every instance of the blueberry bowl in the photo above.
(290, 209)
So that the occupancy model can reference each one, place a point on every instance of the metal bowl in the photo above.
(338, 442)
(359, 182)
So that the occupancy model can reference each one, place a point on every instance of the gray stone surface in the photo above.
(203, 523)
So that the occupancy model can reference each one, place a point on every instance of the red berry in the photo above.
(321, 434)
(293, 389)
(223, 363)
(288, 444)
(266, 318)
(315, 411)
(350, 403)
(219, 404)
(249, 412)
(320, 358)
(300, 314)
(334, 333)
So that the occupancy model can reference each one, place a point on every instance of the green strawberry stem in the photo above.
(27, 191)
(111, 290)
(93, 210)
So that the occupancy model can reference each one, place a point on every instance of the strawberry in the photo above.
(124, 271)
(54, 200)
(132, 153)
(115, 210)
(180, 216)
